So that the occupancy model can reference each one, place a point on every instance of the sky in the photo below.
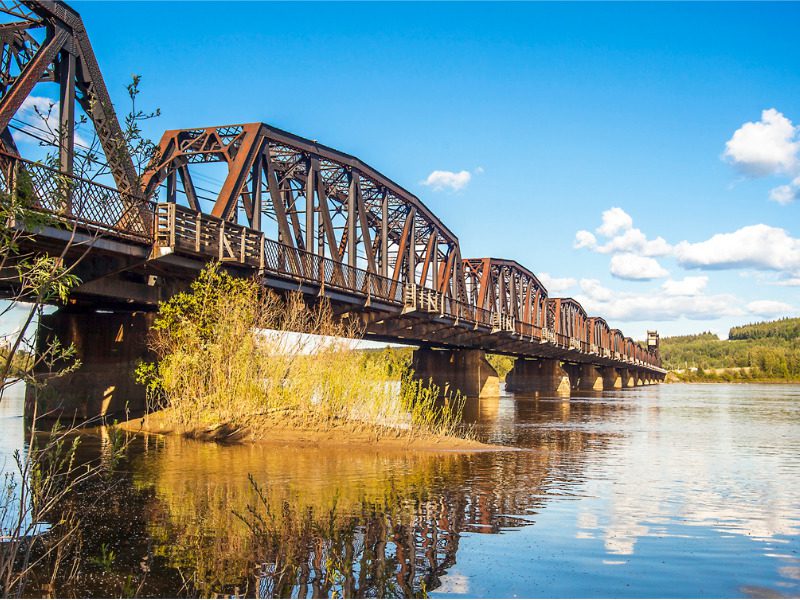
(641, 158)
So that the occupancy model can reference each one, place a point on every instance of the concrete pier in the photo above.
(590, 378)
(109, 346)
(612, 379)
(628, 377)
(467, 371)
(544, 375)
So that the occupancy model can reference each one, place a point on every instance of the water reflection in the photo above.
(335, 521)
(659, 491)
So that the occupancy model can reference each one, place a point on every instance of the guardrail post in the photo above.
(261, 253)
(198, 223)
(13, 182)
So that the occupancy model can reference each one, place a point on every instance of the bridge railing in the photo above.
(75, 201)
(203, 235)
(529, 330)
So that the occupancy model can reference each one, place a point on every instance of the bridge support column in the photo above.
(540, 375)
(467, 371)
(590, 378)
(628, 378)
(109, 346)
(612, 379)
(639, 377)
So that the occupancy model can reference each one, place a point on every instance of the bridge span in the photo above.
(298, 215)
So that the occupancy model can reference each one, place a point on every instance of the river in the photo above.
(665, 491)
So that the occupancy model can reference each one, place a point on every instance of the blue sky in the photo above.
(556, 112)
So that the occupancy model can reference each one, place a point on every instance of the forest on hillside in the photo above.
(768, 350)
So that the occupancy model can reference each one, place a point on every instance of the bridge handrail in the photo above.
(70, 198)
(205, 235)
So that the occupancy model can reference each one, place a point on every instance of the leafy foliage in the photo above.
(786, 329)
(225, 359)
(769, 350)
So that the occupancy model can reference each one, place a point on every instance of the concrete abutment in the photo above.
(109, 346)
(466, 371)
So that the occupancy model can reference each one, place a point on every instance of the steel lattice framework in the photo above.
(301, 214)
(48, 43)
(508, 290)
(319, 201)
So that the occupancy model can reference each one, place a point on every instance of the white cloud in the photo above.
(688, 286)
(632, 266)
(770, 146)
(556, 285)
(654, 306)
(789, 282)
(614, 220)
(755, 246)
(595, 290)
(634, 241)
(786, 194)
(770, 308)
(766, 147)
(40, 117)
(622, 237)
(440, 180)
(585, 239)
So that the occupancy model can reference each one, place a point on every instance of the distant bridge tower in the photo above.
(652, 342)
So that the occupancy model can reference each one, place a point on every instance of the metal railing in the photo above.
(76, 201)
(103, 210)
(203, 235)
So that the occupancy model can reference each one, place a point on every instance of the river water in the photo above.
(666, 491)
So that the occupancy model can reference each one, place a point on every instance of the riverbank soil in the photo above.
(288, 431)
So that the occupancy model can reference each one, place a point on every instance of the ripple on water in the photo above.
(680, 491)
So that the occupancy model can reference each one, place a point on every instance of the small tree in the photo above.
(48, 472)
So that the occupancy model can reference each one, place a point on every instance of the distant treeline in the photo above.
(768, 350)
(785, 329)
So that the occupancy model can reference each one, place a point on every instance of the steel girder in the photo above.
(505, 287)
(315, 199)
(600, 333)
(569, 318)
(48, 42)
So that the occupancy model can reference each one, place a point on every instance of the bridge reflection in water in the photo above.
(353, 521)
(661, 491)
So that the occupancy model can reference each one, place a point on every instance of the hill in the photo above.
(786, 329)
(759, 351)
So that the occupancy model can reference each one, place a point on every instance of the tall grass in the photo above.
(225, 358)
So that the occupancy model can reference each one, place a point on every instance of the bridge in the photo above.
(298, 215)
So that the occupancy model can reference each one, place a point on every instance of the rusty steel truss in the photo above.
(313, 199)
(300, 214)
(47, 42)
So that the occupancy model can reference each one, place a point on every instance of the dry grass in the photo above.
(225, 359)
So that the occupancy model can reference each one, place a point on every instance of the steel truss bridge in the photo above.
(298, 214)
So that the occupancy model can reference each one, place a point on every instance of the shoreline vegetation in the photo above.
(766, 352)
(227, 370)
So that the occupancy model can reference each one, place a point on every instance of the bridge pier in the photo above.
(612, 380)
(109, 346)
(540, 375)
(628, 378)
(590, 378)
(467, 371)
